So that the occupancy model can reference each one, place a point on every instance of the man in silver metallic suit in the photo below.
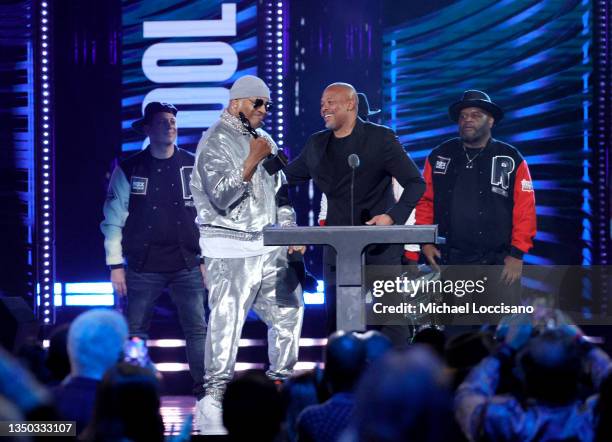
(235, 198)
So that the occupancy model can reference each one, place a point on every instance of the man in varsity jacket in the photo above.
(479, 193)
(150, 235)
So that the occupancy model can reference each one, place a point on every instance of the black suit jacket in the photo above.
(381, 158)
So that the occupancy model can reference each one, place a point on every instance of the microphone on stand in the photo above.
(353, 162)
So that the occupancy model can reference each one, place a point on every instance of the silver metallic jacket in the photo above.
(222, 199)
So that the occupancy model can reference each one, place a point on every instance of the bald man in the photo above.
(324, 159)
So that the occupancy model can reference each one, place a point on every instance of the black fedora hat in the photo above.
(363, 110)
(474, 98)
(151, 109)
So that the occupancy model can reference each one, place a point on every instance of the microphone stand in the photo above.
(353, 196)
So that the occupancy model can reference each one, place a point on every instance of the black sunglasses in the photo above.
(260, 102)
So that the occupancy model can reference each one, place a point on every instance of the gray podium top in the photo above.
(363, 234)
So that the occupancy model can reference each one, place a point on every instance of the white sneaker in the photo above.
(209, 417)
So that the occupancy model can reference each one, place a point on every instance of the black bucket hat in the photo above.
(151, 109)
(474, 98)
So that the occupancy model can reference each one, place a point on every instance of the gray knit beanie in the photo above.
(249, 86)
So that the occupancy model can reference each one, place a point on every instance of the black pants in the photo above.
(475, 266)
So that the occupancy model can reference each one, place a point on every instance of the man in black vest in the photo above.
(324, 159)
(151, 238)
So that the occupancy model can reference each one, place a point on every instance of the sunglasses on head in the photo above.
(260, 102)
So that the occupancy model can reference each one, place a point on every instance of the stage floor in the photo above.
(174, 411)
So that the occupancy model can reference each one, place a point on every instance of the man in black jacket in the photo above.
(150, 235)
(480, 194)
(324, 159)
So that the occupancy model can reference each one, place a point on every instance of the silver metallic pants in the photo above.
(235, 286)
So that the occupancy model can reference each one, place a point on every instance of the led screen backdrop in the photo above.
(533, 58)
(187, 53)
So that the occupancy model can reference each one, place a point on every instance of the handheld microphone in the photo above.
(272, 163)
(353, 162)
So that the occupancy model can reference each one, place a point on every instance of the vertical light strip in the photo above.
(45, 220)
(274, 63)
(587, 236)
(269, 65)
(604, 129)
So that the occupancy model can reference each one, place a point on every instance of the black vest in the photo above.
(160, 208)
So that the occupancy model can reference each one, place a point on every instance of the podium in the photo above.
(349, 243)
